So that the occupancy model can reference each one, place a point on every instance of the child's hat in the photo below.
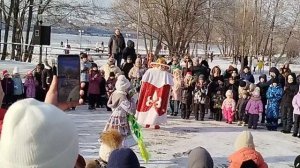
(5, 72)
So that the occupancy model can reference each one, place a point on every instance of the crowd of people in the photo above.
(231, 96)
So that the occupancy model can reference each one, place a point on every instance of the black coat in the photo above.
(263, 91)
(129, 51)
(235, 90)
(102, 86)
(290, 91)
(126, 68)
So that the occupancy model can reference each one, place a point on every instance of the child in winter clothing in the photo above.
(121, 105)
(8, 89)
(102, 101)
(110, 85)
(136, 73)
(253, 108)
(187, 96)
(30, 85)
(176, 92)
(218, 99)
(126, 67)
(228, 107)
(240, 108)
(200, 98)
(18, 85)
(94, 89)
(263, 86)
(274, 95)
(296, 106)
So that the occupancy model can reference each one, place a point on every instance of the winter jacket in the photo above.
(30, 85)
(235, 90)
(136, 72)
(200, 70)
(47, 75)
(254, 105)
(263, 88)
(1, 94)
(102, 86)
(200, 94)
(244, 154)
(217, 100)
(274, 94)
(296, 104)
(94, 83)
(229, 104)
(289, 92)
(7, 86)
(241, 105)
(129, 51)
(18, 85)
(84, 71)
(187, 94)
(248, 76)
(110, 68)
(176, 90)
(116, 44)
(126, 68)
(279, 77)
(200, 158)
(38, 78)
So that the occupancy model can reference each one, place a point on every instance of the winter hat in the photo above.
(274, 70)
(16, 70)
(122, 83)
(256, 92)
(249, 164)
(275, 80)
(123, 158)
(5, 72)
(229, 93)
(112, 74)
(110, 140)
(297, 162)
(242, 83)
(189, 74)
(199, 157)
(244, 140)
(264, 76)
(94, 65)
(201, 77)
(36, 134)
(230, 68)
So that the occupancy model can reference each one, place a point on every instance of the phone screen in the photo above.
(68, 72)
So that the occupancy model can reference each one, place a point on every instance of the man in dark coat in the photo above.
(8, 89)
(290, 90)
(116, 46)
(129, 51)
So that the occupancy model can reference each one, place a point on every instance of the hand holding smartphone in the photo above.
(68, 72)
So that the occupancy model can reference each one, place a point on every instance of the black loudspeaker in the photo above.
(42, 35)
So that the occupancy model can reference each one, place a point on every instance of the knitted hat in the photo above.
(297, 162)
(110, 140)
(245, 139)
(16, 70)
(39, 135)
(5, 72)
(122, 83)
(242, 83)
(123, 158)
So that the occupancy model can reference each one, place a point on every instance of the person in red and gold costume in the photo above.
(154, 95)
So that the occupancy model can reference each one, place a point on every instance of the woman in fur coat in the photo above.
(274, 95)
(121, 106)
(176, 92)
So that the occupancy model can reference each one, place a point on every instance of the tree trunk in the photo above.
(14, 29)
(7, 24)
(28, 24)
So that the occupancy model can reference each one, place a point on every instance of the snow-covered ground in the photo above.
(169, 144)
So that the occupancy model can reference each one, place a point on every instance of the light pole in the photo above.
(40, 22)
(137, 28)
(80, 33)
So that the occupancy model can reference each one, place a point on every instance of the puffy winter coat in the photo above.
(274, 94)
(8, 86)
(248, 76)
(116, 44)
(263, 88)
(84, 71)
(129, 51)
(18, 85)
(241, 105)
(244, 154)
(289, 92)
(254, 105)
(94, 83)
(136, 72)
(176, 90)
(110, 68)
(30, 87)
(296, 104)
(126, 68)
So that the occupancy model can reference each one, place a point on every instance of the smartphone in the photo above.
(68, 73)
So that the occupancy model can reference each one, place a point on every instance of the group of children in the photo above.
(235, 97)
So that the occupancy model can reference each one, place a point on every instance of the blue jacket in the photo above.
(274, 95)
(248, 76)
(18, 86)
(84, 71)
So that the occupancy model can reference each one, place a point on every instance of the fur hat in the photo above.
(5, 72)
(123, 158)
(297, 162)
(43, 136)
(110, 140)
(122, 83)
(16, 70)
(245, 139)
(229, 93)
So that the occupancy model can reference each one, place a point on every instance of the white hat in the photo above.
(245, 139)
(16, 70)
(122, 83)
(38, 135)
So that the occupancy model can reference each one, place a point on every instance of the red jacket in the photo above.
(94, 84)
(2, 113)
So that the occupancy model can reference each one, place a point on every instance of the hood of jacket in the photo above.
(130, 44)
(199, 157)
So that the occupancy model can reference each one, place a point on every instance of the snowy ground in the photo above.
(169, 144)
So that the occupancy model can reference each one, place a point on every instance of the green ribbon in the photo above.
(137, 130)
